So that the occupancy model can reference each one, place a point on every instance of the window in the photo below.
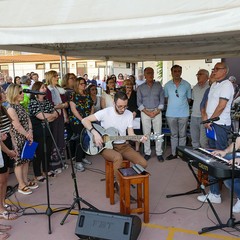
(3, 67)
(128, 65)
(81, 68)
(100, 64)
(55, 66)
(40, 66)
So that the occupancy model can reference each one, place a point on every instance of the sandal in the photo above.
(32, 185)
(8, 215)
(25, 190)
(41, 179)
(4, 236)
(51, 174)
(10, 208)
(4, 228)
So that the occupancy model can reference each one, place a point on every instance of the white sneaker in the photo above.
(236, 207)
(79, 167)
(58, 171)
(65, 166)
(85, 161)
(212, 197)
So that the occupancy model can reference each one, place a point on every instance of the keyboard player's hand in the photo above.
(237, 161)
(219, 153)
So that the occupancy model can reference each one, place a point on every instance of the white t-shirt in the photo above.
(109, 118)
(222, 89)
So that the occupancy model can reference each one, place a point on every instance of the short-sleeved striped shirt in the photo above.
(5, 123)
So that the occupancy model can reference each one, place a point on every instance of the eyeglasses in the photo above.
(20, 92)
(121, 107)
(93, 89)
(216, 69)
(177, 95)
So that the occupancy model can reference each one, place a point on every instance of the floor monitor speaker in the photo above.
(107, 225)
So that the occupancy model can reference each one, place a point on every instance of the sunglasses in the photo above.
(20, 92)
(176, 92)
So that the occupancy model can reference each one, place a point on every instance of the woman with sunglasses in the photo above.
(56, 95)
(21, 131)
(68, 85)
(120, 80)
(39, 103)
(81, 106)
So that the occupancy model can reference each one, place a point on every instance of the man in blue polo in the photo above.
(178, 94)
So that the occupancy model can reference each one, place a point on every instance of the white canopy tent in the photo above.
(135, 30)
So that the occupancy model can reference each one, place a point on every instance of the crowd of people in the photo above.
(121, 102)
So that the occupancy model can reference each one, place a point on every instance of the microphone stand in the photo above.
(231, 221)
(49, 210)
(77, 199)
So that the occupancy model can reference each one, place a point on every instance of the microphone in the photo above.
(210, 120)
(33, 92)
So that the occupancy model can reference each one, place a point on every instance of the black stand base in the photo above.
(49, 213)
(77, 200)
(194, 191)
(201, 189)
(230, 223)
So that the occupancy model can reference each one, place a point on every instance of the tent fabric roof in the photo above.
(31, 58)
(122, 30)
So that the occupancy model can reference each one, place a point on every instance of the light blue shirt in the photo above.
(177, 104)
(150, 97)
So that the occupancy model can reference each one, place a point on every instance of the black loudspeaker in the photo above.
(107, 225)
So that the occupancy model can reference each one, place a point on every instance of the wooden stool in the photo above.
(110, 178)
(203, 178)
(142, 182)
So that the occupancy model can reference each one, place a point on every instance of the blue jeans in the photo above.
(222, 132)
(228, 183)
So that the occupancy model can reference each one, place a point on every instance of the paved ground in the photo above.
(178, 218)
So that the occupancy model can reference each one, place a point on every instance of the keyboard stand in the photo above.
(194, 191)
(200, 189)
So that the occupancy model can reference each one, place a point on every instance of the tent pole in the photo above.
(66, 67)
(61, 65)
(13, 69)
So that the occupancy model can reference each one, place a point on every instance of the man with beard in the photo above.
(121, 119)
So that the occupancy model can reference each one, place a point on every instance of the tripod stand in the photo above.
(231, 221)
(77, 199)
(48, 211)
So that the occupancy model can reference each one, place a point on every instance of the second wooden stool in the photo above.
(110, 178)
(142, 182)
